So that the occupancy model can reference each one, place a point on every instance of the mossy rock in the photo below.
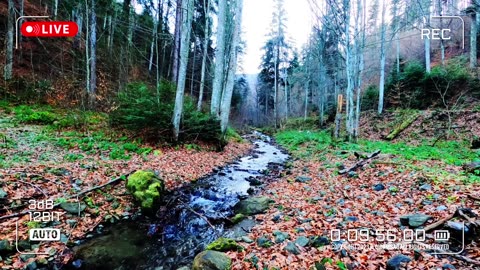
(146, 187)
(223, 244)
(211, 260)
(237, 218)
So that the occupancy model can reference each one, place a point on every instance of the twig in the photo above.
(439, 223)
(361, 163)
(34, 186)
(200, 215)
(471, 220)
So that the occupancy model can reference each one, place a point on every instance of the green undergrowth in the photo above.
(315, 144)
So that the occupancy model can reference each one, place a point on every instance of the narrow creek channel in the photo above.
(190, 218)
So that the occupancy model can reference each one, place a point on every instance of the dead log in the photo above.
(405, 123)
(361, 163)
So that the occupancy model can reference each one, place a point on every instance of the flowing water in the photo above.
(190, 218)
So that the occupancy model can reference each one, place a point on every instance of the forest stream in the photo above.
(189, 219)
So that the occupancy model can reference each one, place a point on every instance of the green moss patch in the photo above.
(146, 188)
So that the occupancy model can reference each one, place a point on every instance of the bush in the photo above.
(414, 88)
(25, 114)
(149, 112)
(370, 98)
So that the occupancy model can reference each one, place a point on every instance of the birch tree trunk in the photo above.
(177, 41)
(152, 45)
(427, 44)
(8, 70)
(206, 38)
(232, 69)
(219, 76)
(473, 38)
(381, 87)
(350, 73)
(93, 55)
(55, 9)
(187, 16)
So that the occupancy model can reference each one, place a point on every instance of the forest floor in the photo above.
(51, 154)
(408, 177)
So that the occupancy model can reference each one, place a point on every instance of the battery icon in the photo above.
(441, 235)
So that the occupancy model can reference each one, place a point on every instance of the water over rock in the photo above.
(253, 205)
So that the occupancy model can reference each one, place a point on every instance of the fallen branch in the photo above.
(407, 122)
(78, 195)
(200, 215)
(360, 163)
(34, 186)
(440, 222)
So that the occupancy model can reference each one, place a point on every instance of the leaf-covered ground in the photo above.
(52, 162)
(313, 199)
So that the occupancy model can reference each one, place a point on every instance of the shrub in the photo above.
(149, 112)
(370, 98)
(25, 114)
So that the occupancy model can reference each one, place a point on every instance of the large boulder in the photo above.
(146, 187)
(252, 206)
(211, 260)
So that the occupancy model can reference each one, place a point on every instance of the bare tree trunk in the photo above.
(93, 55)
(275, 85)
(427, 46)
(8, 71)
(473, 38)
(219, 76)
(232, 69)
(381, 87)
(152, 45)
(187, 16)
(176, 41)
(206, 38)
(192, 78)
(55, 9)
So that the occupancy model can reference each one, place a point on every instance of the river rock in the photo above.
(396, 262)
(3, 194)
(378, 187)
(223, 244)
(73, 207)
(319, 241)
(425, 187)
(146, 187)
(211, 260)
(302, 241)
(415, 220)
(252, 206)
(303, 179)
(5, 246)
(291, 248)
(280, 237)
(264, 242)
(31, 266)
(448, 266)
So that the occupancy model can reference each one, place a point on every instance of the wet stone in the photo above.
(425, 187)
(264, 242)
(319, 241)
(396, 262)
(442, 208)
(291, 248)
(378, 187)
(280, 237)
(3, 194)
(302, 241)
(448, 266)
(415, 220)
(303, 179)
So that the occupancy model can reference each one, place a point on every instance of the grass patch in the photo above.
(451, 152)
(35, 115)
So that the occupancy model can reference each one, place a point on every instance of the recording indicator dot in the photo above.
(29, 29)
